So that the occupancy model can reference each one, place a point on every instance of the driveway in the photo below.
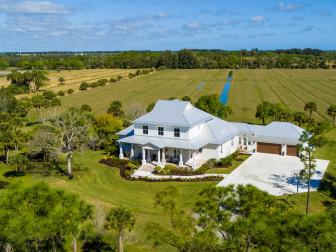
(274, 174)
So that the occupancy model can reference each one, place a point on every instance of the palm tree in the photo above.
(61, 81)
(300, 117)
(308, 159)
(120, 220)
(310, 107)
(39, 79)
(264, 110)
(332, 112)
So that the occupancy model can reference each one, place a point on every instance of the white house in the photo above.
(177, 132)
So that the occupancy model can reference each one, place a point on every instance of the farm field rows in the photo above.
(74, 78)
(249, 88)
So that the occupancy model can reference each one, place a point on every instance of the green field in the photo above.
(249, 88)
(104, 188)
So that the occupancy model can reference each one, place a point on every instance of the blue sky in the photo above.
(44, 25)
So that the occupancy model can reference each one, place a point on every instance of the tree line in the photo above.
(184, 59)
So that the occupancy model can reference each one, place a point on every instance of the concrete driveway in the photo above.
(274, 174)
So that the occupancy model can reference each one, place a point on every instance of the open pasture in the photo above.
(249, 88)
(74, 78)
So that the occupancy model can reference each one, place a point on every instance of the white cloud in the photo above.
(32, 7)
(258, 19)
(289, 6)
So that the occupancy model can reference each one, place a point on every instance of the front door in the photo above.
(148, 156)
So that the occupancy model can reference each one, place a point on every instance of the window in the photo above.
(232, 143)
(221, 149)
(160, 131)
(145, 130)
(200, 150)
(176, 132)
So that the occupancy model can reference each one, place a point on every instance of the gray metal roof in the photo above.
(275, 132)
(127, 131)
(174, 113)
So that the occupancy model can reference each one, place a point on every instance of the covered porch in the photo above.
(158, 155)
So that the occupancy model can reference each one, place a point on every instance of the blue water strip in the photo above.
(225, 92)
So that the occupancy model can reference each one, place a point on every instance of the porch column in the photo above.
(194, 160)
(159, 158)
(132, 152)
(163, 157)
(121, 153)
(143, 156)
(181, 159)
(284, 149)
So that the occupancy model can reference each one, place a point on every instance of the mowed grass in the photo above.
(142, 90)
(249, 88)
(102, 187)
(291, 87)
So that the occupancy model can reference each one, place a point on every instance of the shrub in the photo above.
(70, 91)
(211, 163)
(225, 161)
(319, 141)
(168, 169)
(202, 169)
(86, 107)
(158, 169)
(93, 85)
(119, 77)
(83, 86)
(61, 93)
(131, 75)
(113, 79)
(146, 71)
(138, 72)
(102, 82)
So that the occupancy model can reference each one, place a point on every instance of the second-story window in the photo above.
(145, 130)
(176, 132)
(160, 131)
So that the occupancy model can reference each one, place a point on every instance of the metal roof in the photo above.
(174, 113)
(275, 132)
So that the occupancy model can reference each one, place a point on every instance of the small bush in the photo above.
(211, 163)
(131, 75)
(86, 107)
(102, 82)
(138, 72)
(113, 79)
(202, 169)
(168, 169)
(84, 86)
(119, 77)
(146, 71)
(158, 169)
(70, 91)
(61, 93)
(93, 85)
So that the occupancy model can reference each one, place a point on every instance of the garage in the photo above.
(292, 150)
(269, 148)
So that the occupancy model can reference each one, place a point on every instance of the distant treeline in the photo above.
(184, 59)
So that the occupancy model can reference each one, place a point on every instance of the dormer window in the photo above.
(145, 129)
(160, 131)
(176, 132)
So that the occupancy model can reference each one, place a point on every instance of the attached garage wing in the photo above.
(292, 150)
(269, 148)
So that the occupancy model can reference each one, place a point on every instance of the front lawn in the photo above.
(103, 187)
